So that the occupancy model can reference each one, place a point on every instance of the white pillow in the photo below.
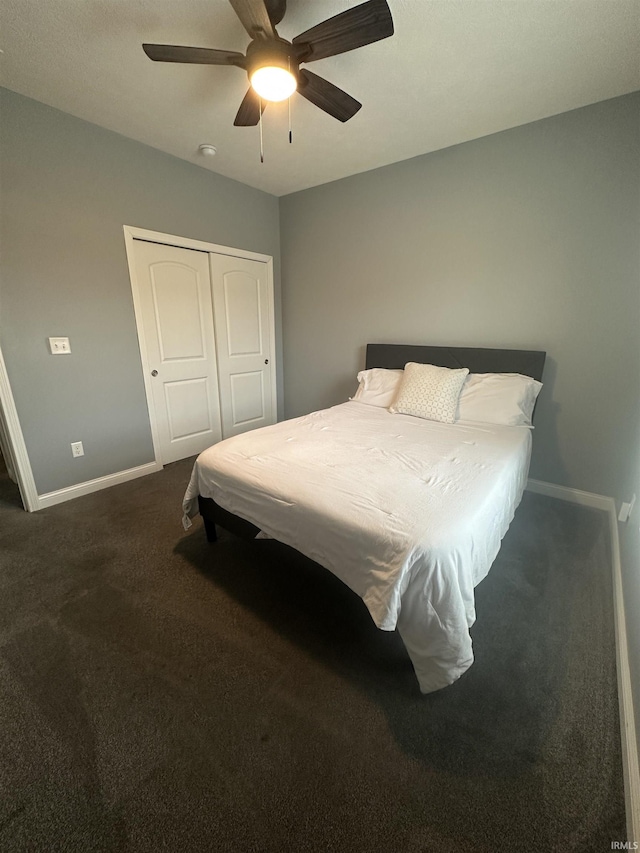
(498, 398)
(378, 386)
(430, 392)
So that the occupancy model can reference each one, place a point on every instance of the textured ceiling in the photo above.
(454, 70)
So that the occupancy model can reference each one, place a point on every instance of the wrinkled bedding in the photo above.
(409, 513)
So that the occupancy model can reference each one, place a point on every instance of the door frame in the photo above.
(131, 234)
(15, 439)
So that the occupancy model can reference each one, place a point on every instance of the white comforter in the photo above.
(409, 513)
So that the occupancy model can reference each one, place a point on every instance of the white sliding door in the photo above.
(243, 306)
(174, 292)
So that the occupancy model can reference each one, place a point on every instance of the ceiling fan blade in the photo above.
(276, 10)
(328, 97)
(354, 28)
(249, 113)
(254, 17)
(196, 55)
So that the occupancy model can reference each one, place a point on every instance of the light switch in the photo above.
(59, 346)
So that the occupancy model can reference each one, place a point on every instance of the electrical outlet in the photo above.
(77, 449)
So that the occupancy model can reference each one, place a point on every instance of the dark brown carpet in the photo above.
(159, 693)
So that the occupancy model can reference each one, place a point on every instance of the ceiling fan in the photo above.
(273, 63)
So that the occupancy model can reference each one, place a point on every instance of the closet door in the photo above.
(179, 353)
(243, 322)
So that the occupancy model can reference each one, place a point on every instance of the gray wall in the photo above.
(68, 187)
(528, 238)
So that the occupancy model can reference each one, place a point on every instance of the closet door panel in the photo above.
(242, 313)
(174, 287)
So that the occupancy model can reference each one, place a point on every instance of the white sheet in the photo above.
(409, 513)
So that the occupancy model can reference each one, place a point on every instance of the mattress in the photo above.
(409, 513)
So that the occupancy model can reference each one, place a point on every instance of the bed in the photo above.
(408, 512)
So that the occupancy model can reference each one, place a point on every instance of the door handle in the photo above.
(154, 372)
(266, 361)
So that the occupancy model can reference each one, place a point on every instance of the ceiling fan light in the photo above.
(273, 83)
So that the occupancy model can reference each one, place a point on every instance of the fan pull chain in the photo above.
(261, 141)
(289, 99)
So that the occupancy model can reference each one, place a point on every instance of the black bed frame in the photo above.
(395, 356)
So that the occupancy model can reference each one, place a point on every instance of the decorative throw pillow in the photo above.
(429, 392)
(378, 386)
(498, 398)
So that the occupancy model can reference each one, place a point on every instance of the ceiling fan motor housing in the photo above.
(276, 53)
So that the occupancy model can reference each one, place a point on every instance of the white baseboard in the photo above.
(574, 496)
(630, 758)
(80, 489)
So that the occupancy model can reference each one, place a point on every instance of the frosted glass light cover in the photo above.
(273, 84)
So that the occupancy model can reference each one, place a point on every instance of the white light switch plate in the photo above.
(59, 346)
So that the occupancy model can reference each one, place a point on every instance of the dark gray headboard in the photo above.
(528, 362)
